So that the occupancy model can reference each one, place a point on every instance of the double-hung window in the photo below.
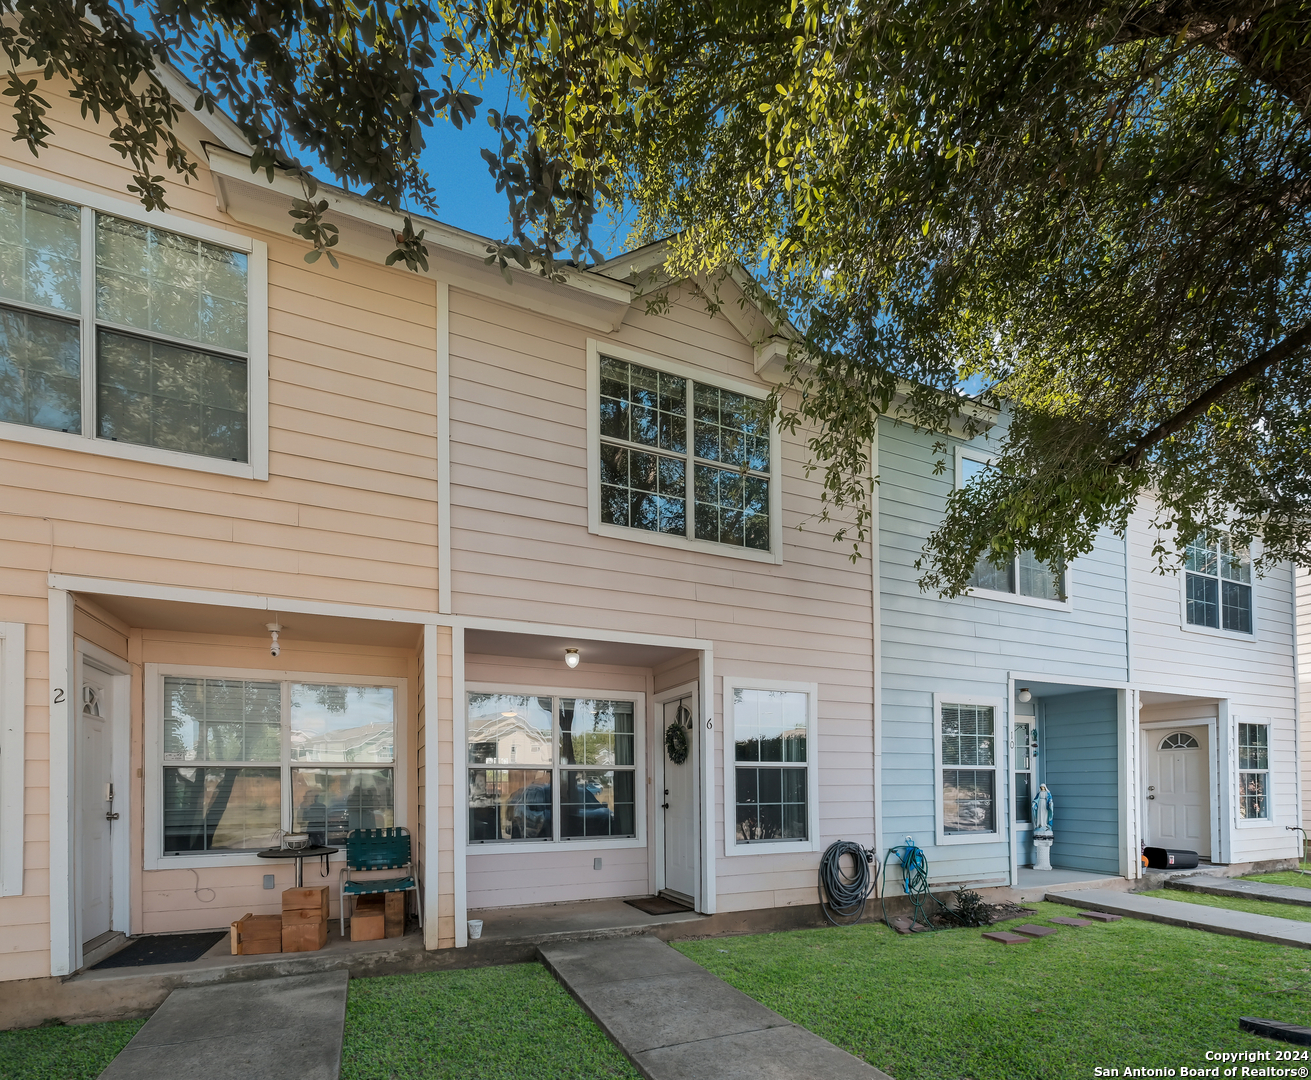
(966, 740)
(549, 768)
(1024, 575)
(126, 337)
(1253, 772)
(246, 758)
(1218, 583)
(682, 459)
(773, 796)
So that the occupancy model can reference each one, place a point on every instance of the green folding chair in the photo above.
(378, 849)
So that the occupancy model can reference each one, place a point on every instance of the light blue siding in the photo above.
(966, 647)
(1077, 757)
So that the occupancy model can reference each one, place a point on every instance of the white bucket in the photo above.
(475, 929)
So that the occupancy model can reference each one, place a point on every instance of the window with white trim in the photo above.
(1024, 575)
(548, 768)
(1253, 771)
(241, 756)
(1218, 583)
(967, 764)
(682, 457)
(147, 328)
(773, 798)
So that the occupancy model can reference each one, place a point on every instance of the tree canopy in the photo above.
(1092, 215)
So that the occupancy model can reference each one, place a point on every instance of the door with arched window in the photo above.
(1178, 806)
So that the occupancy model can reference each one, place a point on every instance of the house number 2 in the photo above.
(59, 697)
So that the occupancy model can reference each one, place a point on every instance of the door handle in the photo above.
(111, 816)
(1151, 796)
(664, 806)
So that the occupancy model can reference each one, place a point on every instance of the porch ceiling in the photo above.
(250, 622)
(590, 651)
(1148, 697)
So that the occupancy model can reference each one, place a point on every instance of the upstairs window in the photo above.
(681, 458)
(122, 332)
(1218, 583)
(1024, 575)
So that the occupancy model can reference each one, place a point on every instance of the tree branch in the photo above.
(1276, 354)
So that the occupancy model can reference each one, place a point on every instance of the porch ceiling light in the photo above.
(571, 657)
(1024, 695)
(274, 628)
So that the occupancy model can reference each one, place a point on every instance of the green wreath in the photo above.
(676, 743)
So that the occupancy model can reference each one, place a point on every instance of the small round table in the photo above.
(300, 855)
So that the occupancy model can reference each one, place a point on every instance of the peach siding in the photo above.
(519, 470)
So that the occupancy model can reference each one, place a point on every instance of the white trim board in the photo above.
(13, 727)
(1001, 773)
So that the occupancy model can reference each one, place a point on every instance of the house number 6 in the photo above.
(710, 725)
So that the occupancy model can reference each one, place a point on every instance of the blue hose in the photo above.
(914, 882)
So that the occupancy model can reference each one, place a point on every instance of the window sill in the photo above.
(772, 847)
(641, 536)
(953, 839)
(1216, 632)
(506, 847)
(152, 455)
(1254, 823)
(211, 861)
(1023, 601)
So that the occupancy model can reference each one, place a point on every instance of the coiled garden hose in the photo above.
(914, 882)
(846, 892)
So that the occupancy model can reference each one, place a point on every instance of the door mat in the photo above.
(163, 949)
(658, 905)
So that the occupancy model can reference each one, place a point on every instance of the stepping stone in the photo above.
(1030, 930)
(1006, 937)
(1100, 916)
(1275, 1029)
(903, 925)
(1065, 920)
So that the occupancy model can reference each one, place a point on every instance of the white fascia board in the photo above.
(247, 193)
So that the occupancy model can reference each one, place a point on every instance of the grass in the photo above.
(1282, 877)
(1236, 903)
(502, 1023)
(63, 1052)
(497, 1023)
(951, 1005)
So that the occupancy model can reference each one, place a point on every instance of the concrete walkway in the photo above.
(1197, 916)
(1252, 890)
(273, 1029)
(676, 1021)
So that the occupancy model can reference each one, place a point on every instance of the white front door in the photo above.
(678, 804)
(1178, 810)
(95, 791)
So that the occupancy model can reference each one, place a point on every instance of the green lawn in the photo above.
(1283, 877)
(950, 1005)
(73, 1052)
(1236, 903)
(496, 1023)
(502, 1023)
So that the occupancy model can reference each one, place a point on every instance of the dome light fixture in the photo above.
(1025, 695)
(571, 657)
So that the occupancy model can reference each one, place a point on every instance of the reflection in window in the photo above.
(771, 726)
(40, 373)
(594, 803)
(1253, 771)
(222, 720)
(1218, 583)
(508, 729)
(333, 722)
(968, 794)
(509, 804)
(1022, 575)
(328, 803)
(221, 809)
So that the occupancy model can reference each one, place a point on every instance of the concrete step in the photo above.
(1251, 890)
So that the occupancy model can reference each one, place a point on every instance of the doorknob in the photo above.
(111, 817)
(1151, 796)
(664, 806)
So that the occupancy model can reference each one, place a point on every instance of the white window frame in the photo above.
(1235, 772)
(969, 453)
(708, 378)
(13, 676)
(153, 756)
(1000, 766)
(1218, 631)
(561, 845)
(257, 357)
(732, 846)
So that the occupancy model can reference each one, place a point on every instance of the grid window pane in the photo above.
(1203, 552)
(1023, 798)
(505, 729)
(967, 735)
(330, 803)
(969, 801)
(770, 725)
(643, 491)
(1252, 795)
(1253, 746)
(1236, 606)
(1235, 562)
(1203, 600)
(730, 428)
(1037, 578)
(997, 578)
(221, 809)
(153, 394)
(40, 251)
(332, 722)
(40, 371)
(771, 804)
(732, 507)
(594, 803)
(596, 732)
(510, 804)
(159, 282)
(222, 720)
(640, 405)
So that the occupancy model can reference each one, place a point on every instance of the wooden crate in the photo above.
(368, 918)
(314, 898)
(304, 936)
(253, 934)
(394, 913)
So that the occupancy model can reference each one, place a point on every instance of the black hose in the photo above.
(846, 892)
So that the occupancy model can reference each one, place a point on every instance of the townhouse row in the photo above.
(546, 588)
